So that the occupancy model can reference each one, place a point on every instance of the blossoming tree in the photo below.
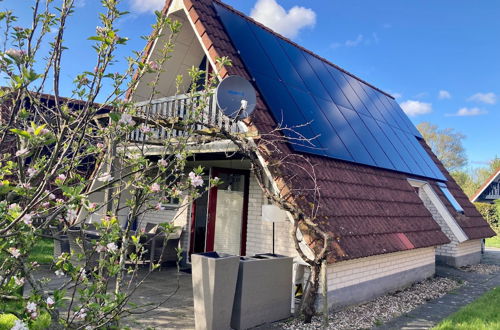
(56, 152)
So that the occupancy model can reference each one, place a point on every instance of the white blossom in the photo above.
(61, 177)
(27, 218)
(162, 162)
(111, 247)
(81, 314)
(196, 180)
(22, 152)
(126, 119)
(31, 307)
(32, 172)
(59, 273)
(159, 207)
(19, 281)
(19, 325)
(145, 128)
(155, 187)
(50, 301)
(15, 252)
(106, 177)
(71, 215)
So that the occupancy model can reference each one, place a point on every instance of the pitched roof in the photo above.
(485, 185)
(368, 210)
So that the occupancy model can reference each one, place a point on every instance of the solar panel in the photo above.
(344, 117)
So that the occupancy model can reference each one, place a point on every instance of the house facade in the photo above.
(489, 191)
(390, 206)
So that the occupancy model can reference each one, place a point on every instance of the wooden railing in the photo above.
(177, 108)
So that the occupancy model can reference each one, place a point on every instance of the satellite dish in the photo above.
(236, 97)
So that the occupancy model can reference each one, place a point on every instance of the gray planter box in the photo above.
(214, 281)
(263, 291)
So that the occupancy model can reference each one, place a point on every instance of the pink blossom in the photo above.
(31, 307)
(162, 162)
(34, 315)
(71, 215)
(60, 200)
(44, 131)
(13, 206)
(22, 152)
(31, 130)
(155, 187)
(145, 129)
(92, 205)
(196, 180)
(100, 145)
(153, 65)
(15, 252)
(46, 204)
(61, 177)
(27, 218)
(50, 301)
(26, 185)
(126, 119)
(111, 247)
(32, 172)
(81, 314)
(99, 248)
(19, 280)
(159, 207)
(16, 54)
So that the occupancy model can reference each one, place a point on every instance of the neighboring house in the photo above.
(489, 191)
(391, 206)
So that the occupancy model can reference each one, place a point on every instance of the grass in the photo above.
(43, 252)
(493, 241)
(482, 314)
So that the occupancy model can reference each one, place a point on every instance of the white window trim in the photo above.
(441, 208)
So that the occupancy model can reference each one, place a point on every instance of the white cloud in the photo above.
(275, 17)
(444, 95)
(415, 108)
(142, 6)
(353, 43)
(488, 98)
(467, 112)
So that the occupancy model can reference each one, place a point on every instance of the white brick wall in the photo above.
(468, 247)
(454, 248)
(260, 233)
(351, 272)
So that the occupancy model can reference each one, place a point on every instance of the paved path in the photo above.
(428, 315)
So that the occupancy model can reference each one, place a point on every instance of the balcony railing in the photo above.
(177, 108)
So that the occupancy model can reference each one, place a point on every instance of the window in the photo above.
(450, 197)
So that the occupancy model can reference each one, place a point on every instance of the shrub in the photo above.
(490, 213)
(7, 321)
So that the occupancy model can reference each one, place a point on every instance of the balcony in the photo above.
(173, 110)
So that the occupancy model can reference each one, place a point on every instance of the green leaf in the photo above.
(114, 116)
(20, 132)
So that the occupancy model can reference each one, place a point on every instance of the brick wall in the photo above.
(352, 272)
(446, 249)
(260, 233)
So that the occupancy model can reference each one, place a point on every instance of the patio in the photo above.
(176, 310)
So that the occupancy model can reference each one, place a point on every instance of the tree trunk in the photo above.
(309, 302)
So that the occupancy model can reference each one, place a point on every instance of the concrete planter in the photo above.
(263, 290)
(214, 281)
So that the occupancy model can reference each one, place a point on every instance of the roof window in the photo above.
(450, 197)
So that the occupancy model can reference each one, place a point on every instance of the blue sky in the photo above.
(441, 58)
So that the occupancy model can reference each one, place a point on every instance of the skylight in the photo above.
(450, 197)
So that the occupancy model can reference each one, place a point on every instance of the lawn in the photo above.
(43, 253)
(493, 242)
(482, 314)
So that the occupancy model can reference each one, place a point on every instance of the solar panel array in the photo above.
(348, 119)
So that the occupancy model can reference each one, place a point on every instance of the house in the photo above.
(489, 191)
(391, 206)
